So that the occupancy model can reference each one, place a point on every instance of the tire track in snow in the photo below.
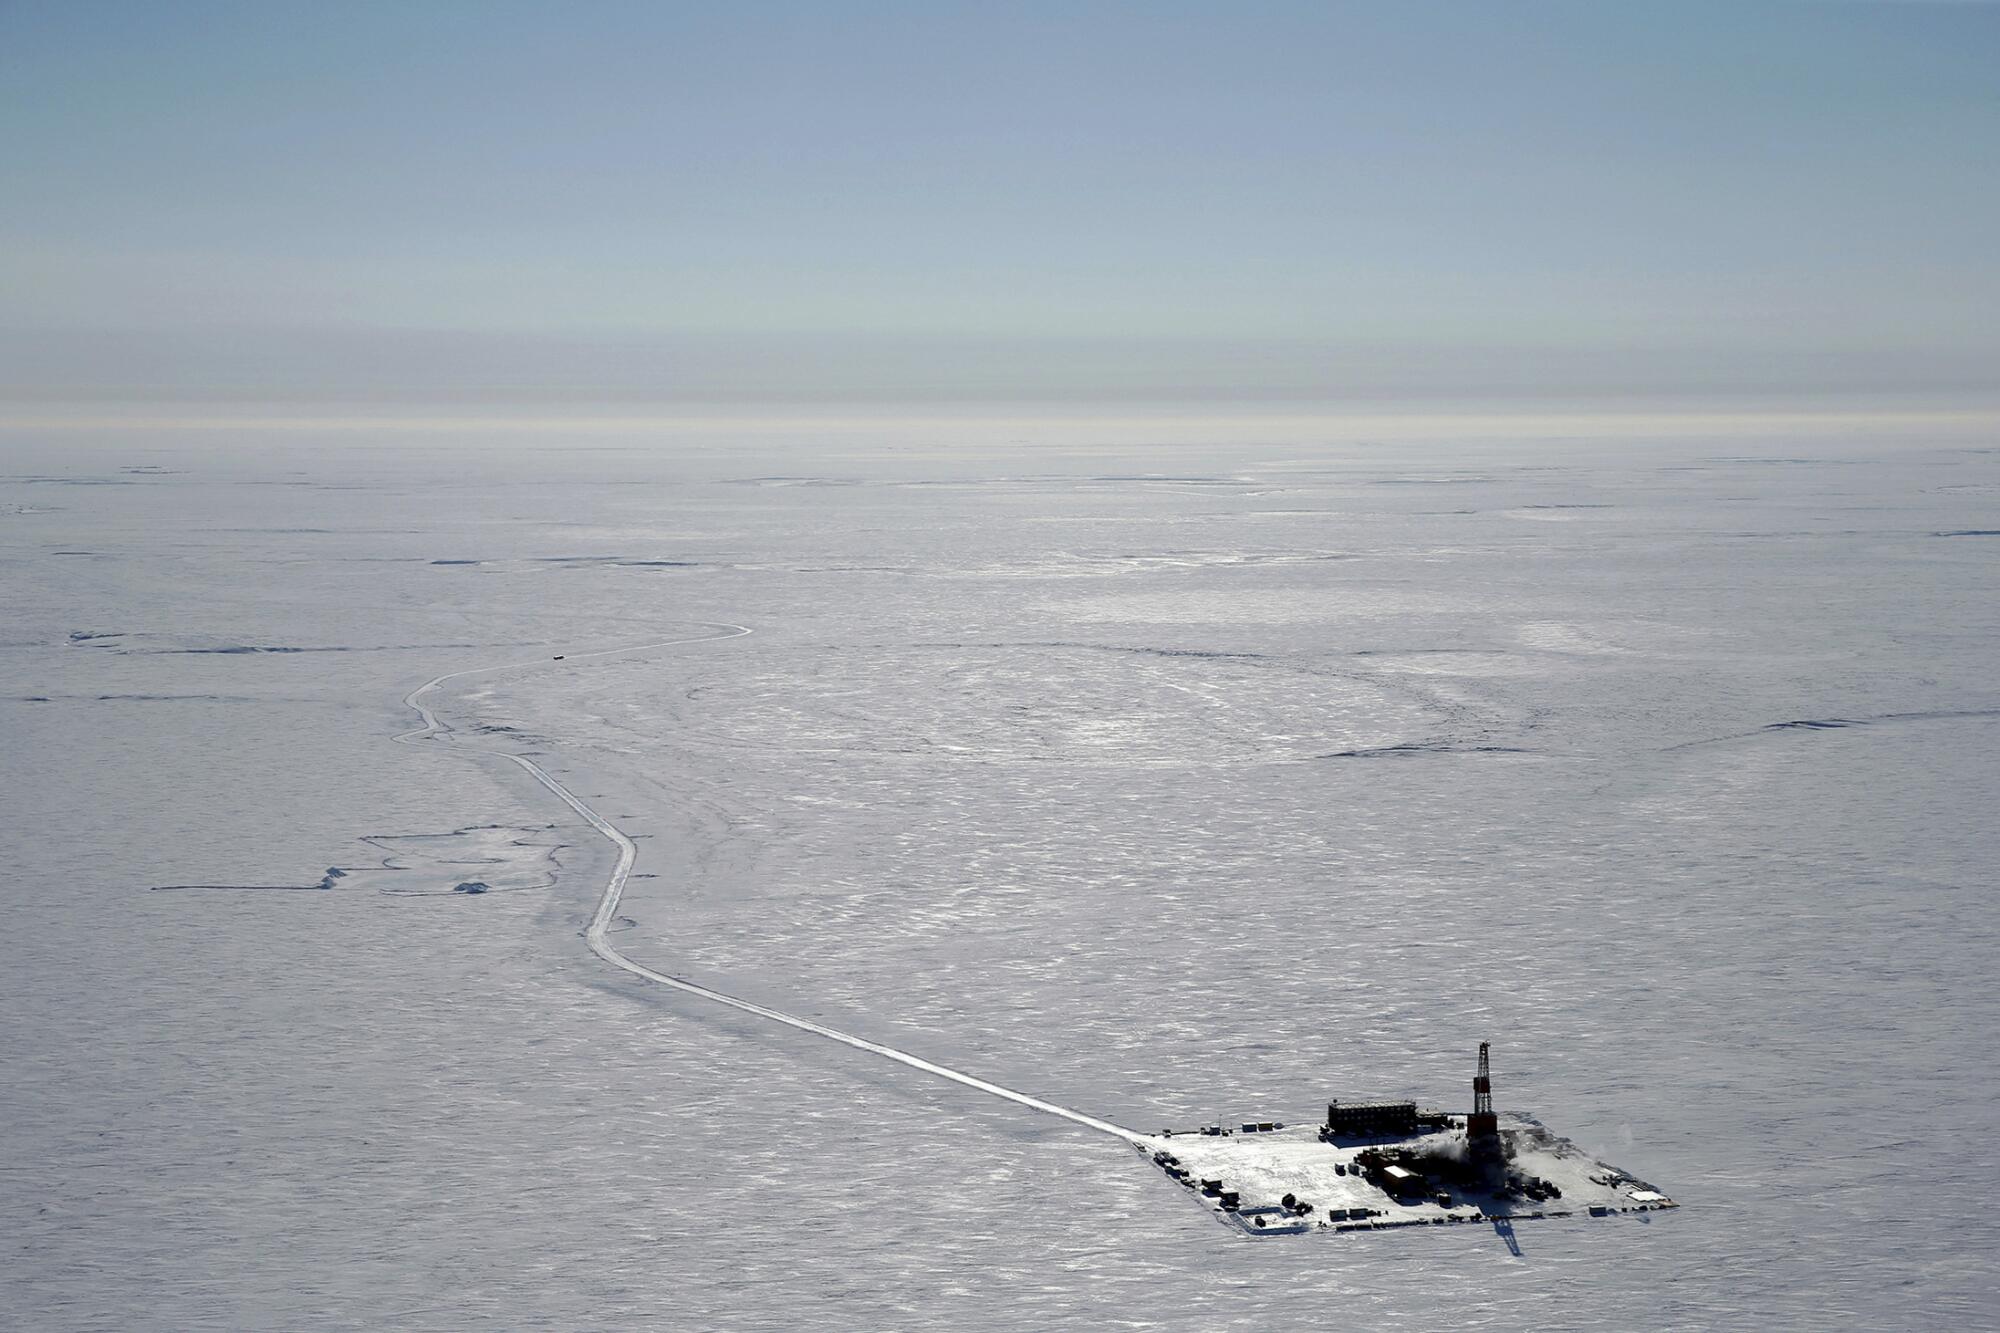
(628, 853)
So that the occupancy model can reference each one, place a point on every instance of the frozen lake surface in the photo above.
(1171, 784)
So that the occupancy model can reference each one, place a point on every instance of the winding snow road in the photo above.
(628, 852)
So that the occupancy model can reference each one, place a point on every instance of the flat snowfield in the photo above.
(1062, 790)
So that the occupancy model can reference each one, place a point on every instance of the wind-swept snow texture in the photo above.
(1160, 785)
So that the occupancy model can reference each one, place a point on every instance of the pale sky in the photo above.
(653, 202)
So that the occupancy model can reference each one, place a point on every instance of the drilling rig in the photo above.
(1482, 1127)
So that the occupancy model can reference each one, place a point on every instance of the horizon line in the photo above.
(1541, 421)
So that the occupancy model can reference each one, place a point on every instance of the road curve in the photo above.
(628, 852)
